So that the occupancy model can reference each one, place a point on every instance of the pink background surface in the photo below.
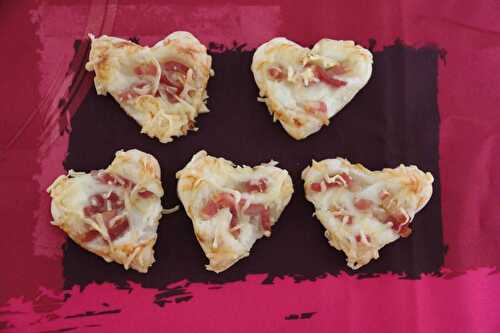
(37, 50)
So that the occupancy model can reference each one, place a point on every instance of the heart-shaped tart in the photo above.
(163, 88)
(365, 210)
(303, 88)
(231, 207)
(114, 212)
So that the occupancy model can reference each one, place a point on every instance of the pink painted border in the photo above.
(465, 301)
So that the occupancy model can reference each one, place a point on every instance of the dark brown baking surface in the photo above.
(393, 120)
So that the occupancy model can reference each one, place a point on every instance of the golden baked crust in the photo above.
(163, 87)
(365, 210)
(303, 88)
(114, 212)
(231, 206)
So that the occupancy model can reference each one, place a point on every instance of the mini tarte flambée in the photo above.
(114, 212)
(303, 88)
(231, 207)
(365, 210)
(163, 87)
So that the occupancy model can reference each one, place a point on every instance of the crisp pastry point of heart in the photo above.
(365, 210)
(162, 87)
(303, 88)
(113, 213)
(231, 207)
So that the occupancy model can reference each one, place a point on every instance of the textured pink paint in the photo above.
(342, 304)
(48, 242)
(209, 23)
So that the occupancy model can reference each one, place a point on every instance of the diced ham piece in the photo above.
(405, 231)
(172, 80)
(115, 201)
(135, 90)
(316, 187)
(276, 73)
(362, 204)
(110, 179)
(115, 231)
(118, 228)
(89, 211)
(347, 179)
(145, 194)
(97, 205)
(210, 209)
(220, 201)
(261, 211)
(265, 220)
(98, 201)
(398, 221)
(90, 236)
(226, 200)
(104, 178)
(107, 205)
(254, 209)
(259, 185)
(328, 76)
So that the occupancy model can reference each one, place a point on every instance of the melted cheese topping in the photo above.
(356, 214)
(287, 99)
(206, 176)
(115, 62)
(71, 194)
